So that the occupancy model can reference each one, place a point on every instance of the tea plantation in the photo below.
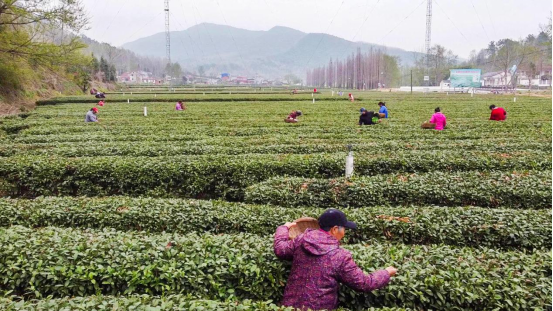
(176, 210)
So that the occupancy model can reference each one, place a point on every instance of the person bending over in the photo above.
(319, 264)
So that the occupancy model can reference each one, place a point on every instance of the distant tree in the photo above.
(104, 69)
(292, 78)
(510, 53)
(35, 29)
(112, 76)
(95, 65)
(201, 71)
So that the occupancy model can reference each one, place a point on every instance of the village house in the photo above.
(140, 77)
(498, 79)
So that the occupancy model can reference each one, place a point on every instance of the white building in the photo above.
(445, 84)
(136, 77)
(500, 79)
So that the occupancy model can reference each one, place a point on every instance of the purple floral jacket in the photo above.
(318, 265)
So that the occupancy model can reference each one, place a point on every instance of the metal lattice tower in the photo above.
(167, 35)
(427, 40)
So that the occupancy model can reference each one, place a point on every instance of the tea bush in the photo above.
(487, 189)
(463, 226)
(69, 262)
(147, 303)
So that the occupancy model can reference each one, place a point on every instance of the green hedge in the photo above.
(146, 303)
(487, 189)
(136, 302)
(538, 158)
(210, 176)
(165, 98)
(493, 228)
(67, 262)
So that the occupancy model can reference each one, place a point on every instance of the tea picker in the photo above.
(319, 264)
(91, 115)
(293, 116)
(498, 113)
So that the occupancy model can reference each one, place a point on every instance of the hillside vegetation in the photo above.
(40, 57)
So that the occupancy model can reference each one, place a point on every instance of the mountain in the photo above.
(272, 53)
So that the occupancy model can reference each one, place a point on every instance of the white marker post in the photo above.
(313, 100)
(514, 99)
(131, 93)
(145, 111)
(312, 95)
(155, 95)
(349, 163)
(128, 101)
(332, 93)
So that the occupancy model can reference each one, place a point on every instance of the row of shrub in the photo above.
(69, 262)
(228, 176)
(500, 156)
(462, 226)
(146, 303)
(166, 98)
(487, 189)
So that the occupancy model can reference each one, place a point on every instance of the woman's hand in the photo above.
(289, 224)
(391, 270)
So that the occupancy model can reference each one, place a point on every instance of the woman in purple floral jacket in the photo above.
(319, 264)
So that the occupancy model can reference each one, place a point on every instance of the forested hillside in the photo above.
(40, 56)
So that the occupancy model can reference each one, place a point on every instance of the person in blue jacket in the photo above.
(383, 109)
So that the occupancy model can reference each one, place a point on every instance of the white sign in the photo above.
(426, 78)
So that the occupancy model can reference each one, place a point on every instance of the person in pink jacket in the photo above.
(439, 119)
(180, 106)
(319, 264)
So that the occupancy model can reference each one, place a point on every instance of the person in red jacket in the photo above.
(293, 116)
(498, 113)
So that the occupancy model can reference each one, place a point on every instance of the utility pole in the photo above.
(427, 41)
(167, 35)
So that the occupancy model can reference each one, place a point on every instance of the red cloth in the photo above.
(293, 115)
(498, 114)
(314, 90)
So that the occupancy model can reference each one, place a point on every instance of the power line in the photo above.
(144, 26)
(180, 39)
(189, 36)
(111, 22)
(359, 29)
(406, 17)
(365, 20)
(490, 17)
(440, 7)
(232, 37)
(326, 31)
(479, 20)
(208, 33)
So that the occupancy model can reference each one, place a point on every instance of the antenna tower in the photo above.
(428, 35)
(167, 35)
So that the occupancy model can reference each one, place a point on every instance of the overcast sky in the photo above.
(459, 25)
